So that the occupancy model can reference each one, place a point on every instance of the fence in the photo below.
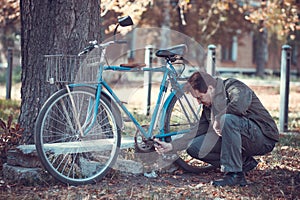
(211, 69)
(284, 81)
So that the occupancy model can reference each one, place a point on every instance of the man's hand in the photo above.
(162, 147)
(216, 127)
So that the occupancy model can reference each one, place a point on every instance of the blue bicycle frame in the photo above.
(168, 71)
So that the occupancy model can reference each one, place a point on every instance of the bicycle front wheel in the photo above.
(74, 146)
(183, 112)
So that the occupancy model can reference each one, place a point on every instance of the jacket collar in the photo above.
(219, 99)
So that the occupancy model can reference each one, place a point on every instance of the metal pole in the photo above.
(9, 72)
(284, 87)
(148, 76)
(211, 60)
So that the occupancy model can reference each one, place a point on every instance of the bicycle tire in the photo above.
(179, 116)
(67, 155)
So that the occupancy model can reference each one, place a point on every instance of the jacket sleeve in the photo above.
(240, 98)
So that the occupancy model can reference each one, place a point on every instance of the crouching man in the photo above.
(234, 126)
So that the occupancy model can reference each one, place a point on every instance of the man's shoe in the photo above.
(231, 179)
(249, 164)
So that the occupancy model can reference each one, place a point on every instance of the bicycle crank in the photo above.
(143, 144)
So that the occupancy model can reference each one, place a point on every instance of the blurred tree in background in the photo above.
(273, 22)
(206, 21)
(9, 25)
(210, 21)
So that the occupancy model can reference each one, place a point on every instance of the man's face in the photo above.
(204, 98)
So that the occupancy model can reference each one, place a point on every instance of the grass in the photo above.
(9, 107)
(292, 140)
(16, 75)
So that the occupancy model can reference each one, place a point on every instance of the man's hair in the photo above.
(200, 81)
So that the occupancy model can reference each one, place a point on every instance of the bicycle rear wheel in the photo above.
(71, 146)
(183, 112)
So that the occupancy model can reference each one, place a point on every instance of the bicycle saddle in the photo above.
(178, 50)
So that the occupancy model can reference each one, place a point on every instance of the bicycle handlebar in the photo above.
(94, 44)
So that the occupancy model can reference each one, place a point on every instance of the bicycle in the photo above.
(78, 129)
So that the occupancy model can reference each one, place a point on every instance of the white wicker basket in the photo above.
(71, 69)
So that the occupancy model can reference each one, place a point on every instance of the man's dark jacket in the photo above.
(232, 97)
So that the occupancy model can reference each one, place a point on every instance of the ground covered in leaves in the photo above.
(276, 177)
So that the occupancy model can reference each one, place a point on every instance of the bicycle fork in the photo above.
(91, 112)
(75, 112)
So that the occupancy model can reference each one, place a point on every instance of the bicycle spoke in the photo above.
(69, 156)
(182, 114)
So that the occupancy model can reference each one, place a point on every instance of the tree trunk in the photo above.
(50, 27)
(261, 52)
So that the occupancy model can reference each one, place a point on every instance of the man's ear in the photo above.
(211, 89)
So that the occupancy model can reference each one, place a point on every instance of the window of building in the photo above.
(229, 51)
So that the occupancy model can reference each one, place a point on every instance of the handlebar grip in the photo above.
(88, 48)
(82, 52)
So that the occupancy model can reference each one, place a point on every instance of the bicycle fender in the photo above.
(82, 85)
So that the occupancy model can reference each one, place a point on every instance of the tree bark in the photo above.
(50, 27)
(261, 52)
